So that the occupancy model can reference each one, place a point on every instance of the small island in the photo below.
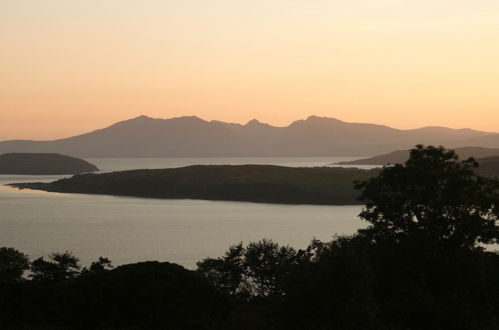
(251, 183)
(43, 164)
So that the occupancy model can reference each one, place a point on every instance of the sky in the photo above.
(68, 67)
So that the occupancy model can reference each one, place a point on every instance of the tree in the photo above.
(267, 264)
(61, 266)
(330, 288)
(434, 198)
(226, 273)
(257, 270)
(100, 265)
(13, 264)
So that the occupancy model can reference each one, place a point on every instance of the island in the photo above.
(252, 183)
(43, 164)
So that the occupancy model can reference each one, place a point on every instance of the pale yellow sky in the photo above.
(70, 66)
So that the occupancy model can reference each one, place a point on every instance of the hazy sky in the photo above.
(70, 66)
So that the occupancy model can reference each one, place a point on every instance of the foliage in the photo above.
(418, 266)
(226, 273)
(13, 264)
(331, 288)
(256, 270)
(102, 264)
(147, 295)
(61, 266)
(433, 198)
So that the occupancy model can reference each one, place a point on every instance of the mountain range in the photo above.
(194, 137)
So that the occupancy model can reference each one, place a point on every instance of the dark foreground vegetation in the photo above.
(253, 183)
(43, 164)
(419, 265)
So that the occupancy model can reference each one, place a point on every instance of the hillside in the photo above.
(489, 166)
(488, 141)
(253, 183)
(43, 163)
(193, 137)
(401, 156)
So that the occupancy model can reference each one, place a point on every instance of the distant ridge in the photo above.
(194, 137)
(489, 166)
(400, 156)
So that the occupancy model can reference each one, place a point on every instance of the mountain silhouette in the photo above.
(194, 137)
(488, 141)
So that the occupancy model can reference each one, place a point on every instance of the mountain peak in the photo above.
(181, 118)
(145, 122)
(192, 121)
(191, 136)
(254, 122)
(143, 117)
(140, 120)
(317, 118)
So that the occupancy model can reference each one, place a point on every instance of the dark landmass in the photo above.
(488, 141)
(145, 295)
(489, 166)
(400, 156)
(43, 164)
(419, 265)
(252, 183)
(395, 157)
(194, 137)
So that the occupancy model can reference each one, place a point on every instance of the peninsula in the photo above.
(43, 164)
(400, 156)
(252, 183)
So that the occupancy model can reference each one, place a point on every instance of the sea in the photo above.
(129, 229)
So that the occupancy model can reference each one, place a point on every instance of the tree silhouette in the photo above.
(61, 266)
(434, 198)
(267, 264)
(13, 264)
(226, 273)
(258, 269)
(100, 265)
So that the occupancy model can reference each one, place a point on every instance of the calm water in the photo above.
(129, 229)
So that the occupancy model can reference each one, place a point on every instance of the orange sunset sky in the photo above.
(67, 67)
